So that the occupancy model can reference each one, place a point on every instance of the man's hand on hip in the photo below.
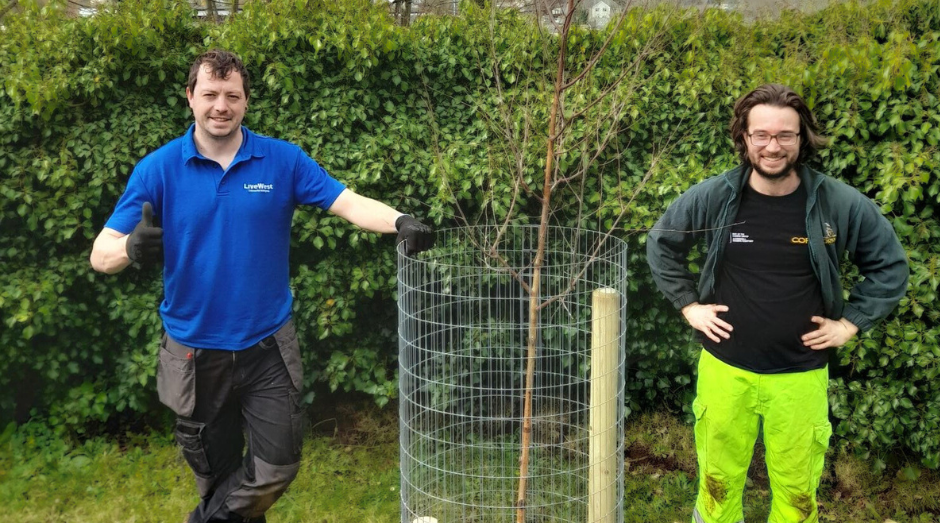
(416, 235)
(145, 242)
(830, 333)
(705, 318)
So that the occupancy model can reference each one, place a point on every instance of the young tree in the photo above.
(581, 135)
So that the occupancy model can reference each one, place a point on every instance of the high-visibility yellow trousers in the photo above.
(731, 406)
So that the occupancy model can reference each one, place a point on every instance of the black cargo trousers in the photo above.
(223, 398)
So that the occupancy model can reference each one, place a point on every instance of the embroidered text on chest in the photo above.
(259, 187)
(740, 237)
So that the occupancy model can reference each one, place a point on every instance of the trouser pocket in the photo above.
(176, 377)
(189, 436)
(700, 432)
(297, 423)
(821, 435)
(289, 348)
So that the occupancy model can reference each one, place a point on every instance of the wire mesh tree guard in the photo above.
(463, 336)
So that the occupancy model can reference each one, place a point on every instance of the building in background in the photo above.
(600, 12)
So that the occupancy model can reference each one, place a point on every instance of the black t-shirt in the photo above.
(769, 286)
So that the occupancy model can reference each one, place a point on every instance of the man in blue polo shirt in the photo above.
(229, 360)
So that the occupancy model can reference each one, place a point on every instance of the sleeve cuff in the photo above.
(857, 318)
(684, 300)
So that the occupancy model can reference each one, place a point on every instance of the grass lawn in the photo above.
(349, 474)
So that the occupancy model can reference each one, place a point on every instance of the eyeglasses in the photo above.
(760, 138)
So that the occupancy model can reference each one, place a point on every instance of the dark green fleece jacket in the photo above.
(839, 219)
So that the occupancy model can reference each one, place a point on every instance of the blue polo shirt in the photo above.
(226, 234)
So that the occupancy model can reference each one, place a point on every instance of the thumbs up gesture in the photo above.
(145, 243)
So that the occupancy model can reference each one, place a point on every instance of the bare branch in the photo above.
(689, 231)
(600, 52)
(634, 69)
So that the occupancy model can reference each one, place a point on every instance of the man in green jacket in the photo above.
(768, 304)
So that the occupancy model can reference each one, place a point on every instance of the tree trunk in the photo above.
(406, 13)
(535, 288)
(7, 8)
(211, 11)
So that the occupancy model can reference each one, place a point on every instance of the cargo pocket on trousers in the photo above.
(296, 423)
(701, 433)
(176, 377)
(289, 348)
(189, 438)
(821, 435)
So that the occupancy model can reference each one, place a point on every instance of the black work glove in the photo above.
(145, 243)
(416, 235)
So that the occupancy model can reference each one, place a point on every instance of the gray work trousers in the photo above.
(225, 400)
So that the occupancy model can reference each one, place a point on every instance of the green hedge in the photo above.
(412, 116)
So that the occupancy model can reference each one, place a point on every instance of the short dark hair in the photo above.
(776, 95)
(221, 64)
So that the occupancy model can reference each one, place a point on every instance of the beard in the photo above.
(788, 167)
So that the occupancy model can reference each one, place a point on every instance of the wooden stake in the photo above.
(605, 351)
